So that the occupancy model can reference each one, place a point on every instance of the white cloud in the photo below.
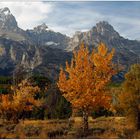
(72, 20)
(70, 17)
(128, 27)
(28, 14)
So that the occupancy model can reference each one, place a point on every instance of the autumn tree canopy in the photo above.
(129, 99)
(22, 99)
(83, 82)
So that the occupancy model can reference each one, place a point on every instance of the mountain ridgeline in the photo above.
(42, 50)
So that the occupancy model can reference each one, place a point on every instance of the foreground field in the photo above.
(103, 127)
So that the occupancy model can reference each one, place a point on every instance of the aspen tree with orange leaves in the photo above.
(22, 99)
(83, 82)
(129, 98)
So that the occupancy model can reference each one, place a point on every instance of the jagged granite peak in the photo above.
(102, 31)
(5, 11)
(9, 28)
(43, 36)
(104, 24)
(41, 28)
(7, 20)
(103, 28)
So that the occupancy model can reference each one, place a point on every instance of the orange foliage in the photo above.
(12, 105)
(24, 95)
(84, 81)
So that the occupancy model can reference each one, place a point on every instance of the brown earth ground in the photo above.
(103, 127)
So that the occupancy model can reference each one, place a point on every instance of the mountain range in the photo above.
(43, 50)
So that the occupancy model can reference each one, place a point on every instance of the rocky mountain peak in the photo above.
(103, 24)
(105, 29)
(7, 20)
(41, 28)
(5, 11)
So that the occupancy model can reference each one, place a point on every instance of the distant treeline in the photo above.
(6, 80)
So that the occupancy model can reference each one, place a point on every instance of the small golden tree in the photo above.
(130, 96)
(22, 99)
(83, 83)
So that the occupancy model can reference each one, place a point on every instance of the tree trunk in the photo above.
(85, 121)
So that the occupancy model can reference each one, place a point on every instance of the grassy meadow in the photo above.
(102, 127)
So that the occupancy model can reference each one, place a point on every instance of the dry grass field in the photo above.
(103, 127)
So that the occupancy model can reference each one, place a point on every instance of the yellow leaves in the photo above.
(130, 90)
(102, 58)
(110, 55)
(5, 104)
(62, 79)
(22, 99)
(102, 49)
(87, 76)
(25, 92)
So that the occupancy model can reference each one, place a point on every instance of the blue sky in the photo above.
(68, 17)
